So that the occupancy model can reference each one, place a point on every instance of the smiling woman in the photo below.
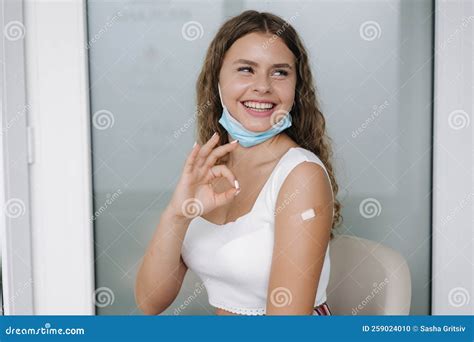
(251, 213)
(262, 138)
(262, 69)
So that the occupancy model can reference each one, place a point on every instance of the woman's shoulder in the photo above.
(292, 155)
(297, 154)
(292, 166)
(302, 166)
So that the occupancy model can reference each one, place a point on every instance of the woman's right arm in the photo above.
(162, 270)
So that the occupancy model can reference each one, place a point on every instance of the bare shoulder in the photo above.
(310, 186)
(308, 174)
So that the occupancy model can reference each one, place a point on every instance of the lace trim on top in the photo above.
(251, 312)
(240, 311)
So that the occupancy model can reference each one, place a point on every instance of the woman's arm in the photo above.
(300, 242)
(162, 270)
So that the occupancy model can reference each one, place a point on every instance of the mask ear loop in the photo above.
(222, 101)
(292, 106)
(223, 106)
(220, 95)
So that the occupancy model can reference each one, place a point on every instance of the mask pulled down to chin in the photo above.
(248, 138)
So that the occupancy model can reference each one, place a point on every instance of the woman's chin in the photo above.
(257, 128)
(255, 124)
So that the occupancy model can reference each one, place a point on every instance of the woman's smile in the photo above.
(258, 108)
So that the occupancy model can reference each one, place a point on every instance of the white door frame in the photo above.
(61, 198)
(15, 195)
(453, 191)
(57, 86)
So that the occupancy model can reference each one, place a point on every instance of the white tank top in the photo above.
(233, 260)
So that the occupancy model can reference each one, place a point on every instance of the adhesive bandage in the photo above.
(308, 214)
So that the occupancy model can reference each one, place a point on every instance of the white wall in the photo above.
(453, 205)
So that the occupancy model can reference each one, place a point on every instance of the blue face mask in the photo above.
(248, 138)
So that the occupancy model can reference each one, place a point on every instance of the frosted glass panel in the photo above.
(372, 64)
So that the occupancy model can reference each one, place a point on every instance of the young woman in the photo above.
(253, 210)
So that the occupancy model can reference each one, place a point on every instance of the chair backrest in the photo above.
(367, 278)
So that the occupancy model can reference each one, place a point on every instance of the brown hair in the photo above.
(308, 128)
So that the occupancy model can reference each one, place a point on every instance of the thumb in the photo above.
(226, 196)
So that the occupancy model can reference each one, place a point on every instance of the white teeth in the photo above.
(258, 105)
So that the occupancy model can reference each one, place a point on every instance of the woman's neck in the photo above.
(250, 157)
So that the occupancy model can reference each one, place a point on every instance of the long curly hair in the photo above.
(308, 128)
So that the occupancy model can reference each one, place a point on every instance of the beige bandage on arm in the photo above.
(308, 214)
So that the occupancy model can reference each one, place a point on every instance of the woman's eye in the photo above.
(244, 68)
(282, 72)
(278, 72)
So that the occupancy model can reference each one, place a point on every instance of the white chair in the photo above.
(367, 278)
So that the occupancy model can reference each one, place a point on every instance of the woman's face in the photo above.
(258, 80)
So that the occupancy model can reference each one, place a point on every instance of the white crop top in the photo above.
(233, 260)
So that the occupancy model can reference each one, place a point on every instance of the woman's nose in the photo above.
(262, 84)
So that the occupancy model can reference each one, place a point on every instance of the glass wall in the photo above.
(372, 63)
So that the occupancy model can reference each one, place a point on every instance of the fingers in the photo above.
(206, 149)
(191, 159)
(226, 196)
(219, 152)
(223, 171)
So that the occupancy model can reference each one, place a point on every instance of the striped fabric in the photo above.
(322, 310)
